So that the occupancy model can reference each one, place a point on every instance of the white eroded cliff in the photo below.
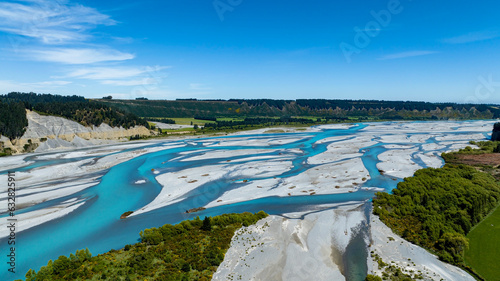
(50, 132)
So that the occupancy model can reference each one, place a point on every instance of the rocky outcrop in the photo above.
(50, 132)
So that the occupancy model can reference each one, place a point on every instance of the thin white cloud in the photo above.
(100, 73)
(51, 22)
(137, 82)
(146, 76)
(49, 36)
(114, 73)
(50, 83)
(406, 55)
(7, 86)
(472, 37)
(79, 56)
(199, 87)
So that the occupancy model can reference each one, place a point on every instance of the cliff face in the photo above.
(50, 132)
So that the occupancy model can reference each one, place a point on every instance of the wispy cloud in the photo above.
(51, 22)
(406, 55)
(9, 86)
(54, 25)
(50, 83)
(79, 56)
(472, 37)
(136, 82)
(114, 73)
(63, 32)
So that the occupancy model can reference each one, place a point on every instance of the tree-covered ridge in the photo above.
(321, 104)
(436, 208)
(190, 250)
(91, 113)
(31, 99)
(12, 119)
(75, 108)
(363, 109)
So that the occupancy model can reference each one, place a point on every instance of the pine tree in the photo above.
(207, 224)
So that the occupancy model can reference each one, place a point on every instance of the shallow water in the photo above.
(96, 224)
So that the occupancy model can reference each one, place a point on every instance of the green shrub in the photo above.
(370, 277)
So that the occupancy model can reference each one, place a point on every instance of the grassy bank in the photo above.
(484, 247)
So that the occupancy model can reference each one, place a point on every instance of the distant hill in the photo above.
(368, 109)
(126, 113)
(86, 112)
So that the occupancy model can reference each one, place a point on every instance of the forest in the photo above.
(13, 120)
(190, 250)
(31, 99)
(359, 109)
(13, 116)
(91, 113)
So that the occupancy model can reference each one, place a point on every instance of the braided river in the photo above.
(73, 199)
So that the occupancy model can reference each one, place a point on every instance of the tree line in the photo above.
(30, 99)
(162, 120)
(259, 121)
(368, 109)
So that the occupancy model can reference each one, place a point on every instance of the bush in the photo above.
(370, 277)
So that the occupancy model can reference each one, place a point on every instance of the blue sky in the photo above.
(393, 50)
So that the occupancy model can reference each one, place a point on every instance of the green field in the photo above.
(187, 121)
(178, 130)
(484, 247)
